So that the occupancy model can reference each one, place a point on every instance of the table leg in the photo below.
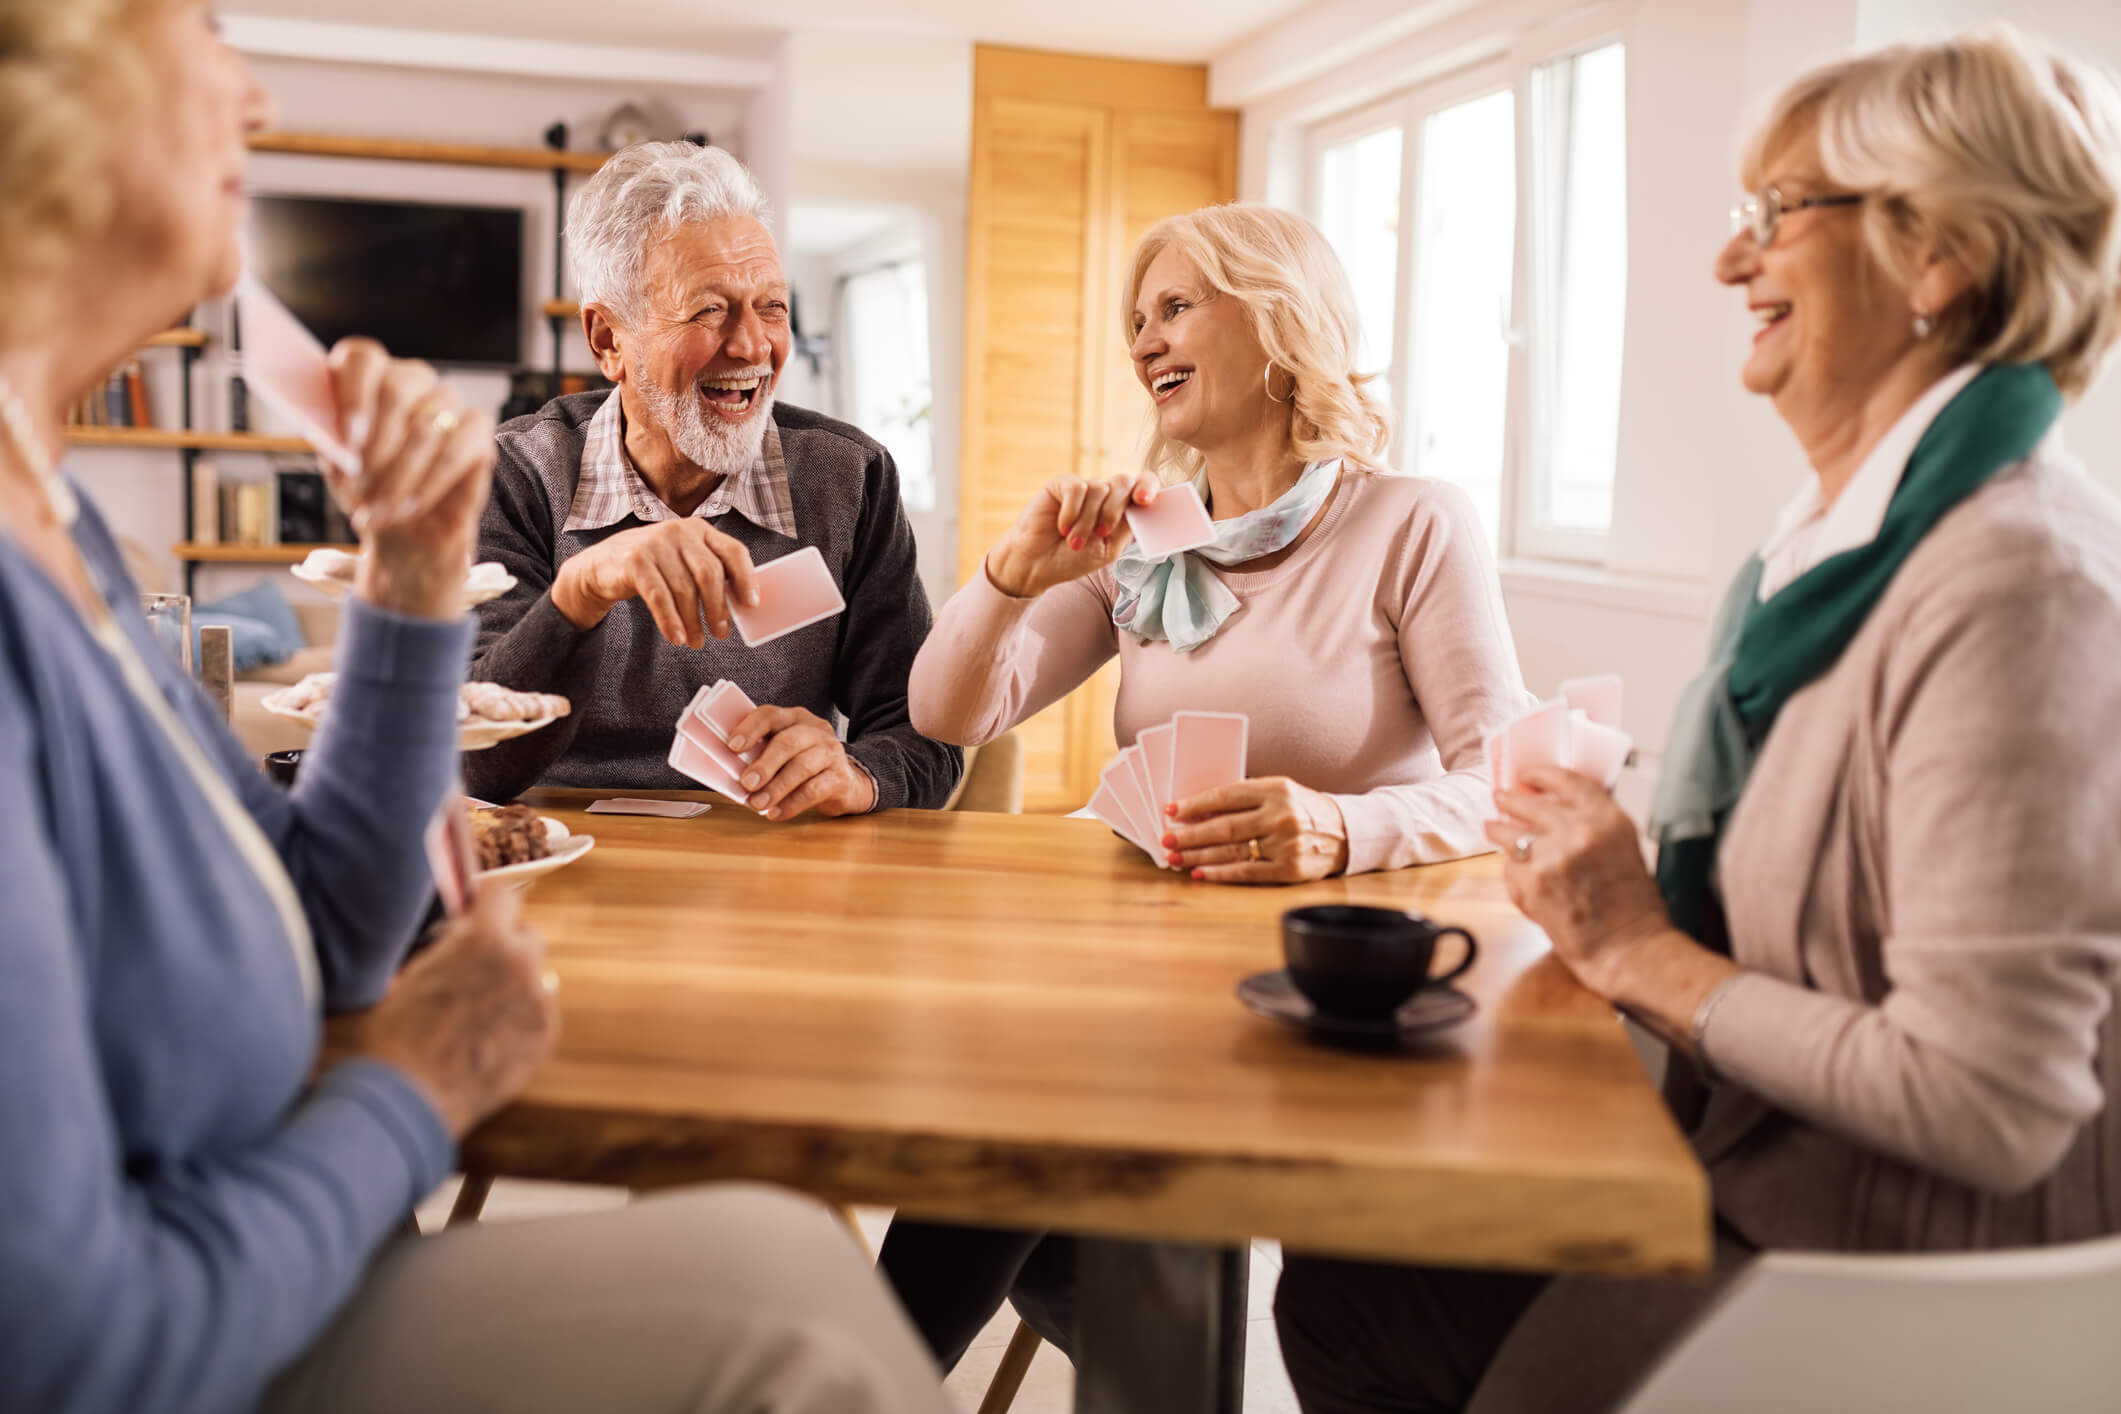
(1159, 1328)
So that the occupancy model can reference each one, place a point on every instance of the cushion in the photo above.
(262, 625)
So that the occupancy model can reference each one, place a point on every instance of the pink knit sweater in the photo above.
(1373, 661)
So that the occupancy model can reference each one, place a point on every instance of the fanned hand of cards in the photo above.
(1578, 731)
(700, 749)
(1191, 753)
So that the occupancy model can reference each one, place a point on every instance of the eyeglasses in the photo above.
(1763, 213)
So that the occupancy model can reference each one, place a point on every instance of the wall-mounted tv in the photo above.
(442, 283)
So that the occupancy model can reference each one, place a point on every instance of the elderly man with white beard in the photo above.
(632, 519)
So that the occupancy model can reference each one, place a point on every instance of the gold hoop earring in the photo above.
(1266, 379)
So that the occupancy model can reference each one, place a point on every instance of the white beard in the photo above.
(712, 443)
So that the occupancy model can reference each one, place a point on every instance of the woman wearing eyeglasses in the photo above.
(1883, 935)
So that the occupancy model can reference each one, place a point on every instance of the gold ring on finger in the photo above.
(443, 420)
(1252, 848)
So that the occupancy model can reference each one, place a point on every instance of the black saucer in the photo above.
(1272, 994)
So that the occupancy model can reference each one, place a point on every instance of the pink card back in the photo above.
(284, 362)
(1174, 521)
(1155, 743)
(1597, 698)
(722, 707)
(453, 855)
(1118, 778)
(1207, 750)
(795, 592)
(1137, 761)
(1106, 807)
(689, 758)
(1540, 738)
(1598, 751)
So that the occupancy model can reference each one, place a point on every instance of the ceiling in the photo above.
(1178, 30)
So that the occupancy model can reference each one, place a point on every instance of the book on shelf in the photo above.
(301, 500)
(205, 503)
(137, 412)
(247, 514)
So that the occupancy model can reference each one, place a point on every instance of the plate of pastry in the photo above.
(487, 713)
(516, 844)
(332, 572)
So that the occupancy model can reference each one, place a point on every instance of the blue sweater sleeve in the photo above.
(351, 830)
(186, 1288)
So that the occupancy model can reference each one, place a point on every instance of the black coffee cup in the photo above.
(1361, 964)
(282, 765)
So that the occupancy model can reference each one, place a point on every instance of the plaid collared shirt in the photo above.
(610, 489)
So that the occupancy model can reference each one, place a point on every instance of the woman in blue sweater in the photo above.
(189, 1219)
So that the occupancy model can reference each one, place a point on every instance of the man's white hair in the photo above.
(642, 192)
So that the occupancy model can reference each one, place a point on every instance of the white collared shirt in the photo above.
(1809, 532)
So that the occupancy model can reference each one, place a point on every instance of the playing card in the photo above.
(795, 592)
(1106, 807)
(1153, 825)
(453, 855)
(1596, 750)
(722, 707)
(1207, 750)
(284, 364)
(689, 758)
(1597, 698)
(1155, 743)
(1498, 749)
(1540, 738)
(1118, 778)
(667, 809)
(1174, 521)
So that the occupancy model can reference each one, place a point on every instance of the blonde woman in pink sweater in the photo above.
(1352, 614)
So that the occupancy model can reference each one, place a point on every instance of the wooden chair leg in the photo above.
(1009, 1375)
(471, 1198)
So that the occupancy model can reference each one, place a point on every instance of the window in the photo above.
(1498, 310)
(889, 395)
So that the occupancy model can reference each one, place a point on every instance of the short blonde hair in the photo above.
(61, 64)
(1302, 310)
(1998, 149)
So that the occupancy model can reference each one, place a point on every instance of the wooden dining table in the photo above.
(1020, 1021)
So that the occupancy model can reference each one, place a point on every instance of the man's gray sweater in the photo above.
(628, 684)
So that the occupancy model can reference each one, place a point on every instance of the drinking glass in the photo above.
(169, 616)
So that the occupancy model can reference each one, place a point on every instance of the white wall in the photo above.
(1702, 466)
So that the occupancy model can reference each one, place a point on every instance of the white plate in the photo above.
(473, 734)
(566, 850)
(332, 573)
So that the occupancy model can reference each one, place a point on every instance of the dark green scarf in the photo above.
(1762, 653)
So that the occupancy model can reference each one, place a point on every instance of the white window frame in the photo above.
(1519, 530)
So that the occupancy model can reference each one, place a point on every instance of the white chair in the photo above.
(2028, 1330)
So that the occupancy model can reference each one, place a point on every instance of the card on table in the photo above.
(453, 855)
(1597, 698)
(723, 707)
(1174, 521)
(689, 758)
(286, 365)
(666, 809)
(1118, 779)
(1207, 750)
(1540, 738)
(795, 592)
(1155, 743)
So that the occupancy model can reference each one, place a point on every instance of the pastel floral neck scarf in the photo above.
(1178, 597)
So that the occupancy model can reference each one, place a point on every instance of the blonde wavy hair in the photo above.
(1998, 149)
(63, 65)
(1302, 310)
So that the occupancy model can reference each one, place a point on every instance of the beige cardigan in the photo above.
(1924, 885)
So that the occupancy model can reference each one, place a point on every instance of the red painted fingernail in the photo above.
(1172, 858)
(1103, 531)
(1171, 841)
(1200, 876)
(1172, 811)
(1075, 542)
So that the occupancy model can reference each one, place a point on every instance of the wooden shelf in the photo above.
(561, 309)
(249, 554)
(170, 439)
(178, 339)
(448, 154)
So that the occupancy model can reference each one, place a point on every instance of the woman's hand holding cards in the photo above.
(1266, 830)
(1072, 527)
(426, 464)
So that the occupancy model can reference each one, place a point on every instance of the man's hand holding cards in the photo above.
(778, 761)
